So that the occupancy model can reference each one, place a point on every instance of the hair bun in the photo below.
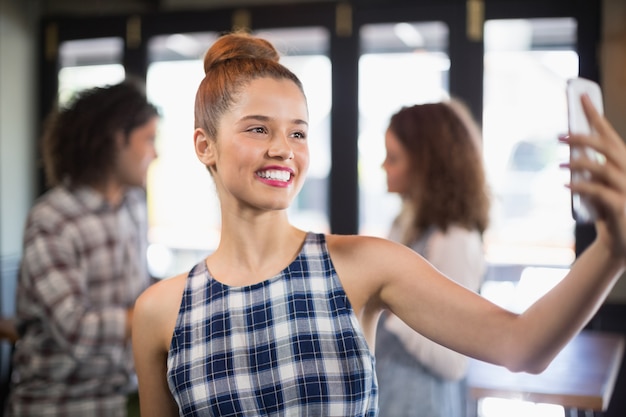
(239, 46)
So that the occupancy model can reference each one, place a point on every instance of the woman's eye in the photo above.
(258, 129)
(299, 135)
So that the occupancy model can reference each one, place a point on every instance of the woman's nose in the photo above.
(280, 148)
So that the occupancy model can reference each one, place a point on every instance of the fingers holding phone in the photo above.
(581, 155)
(598, 170)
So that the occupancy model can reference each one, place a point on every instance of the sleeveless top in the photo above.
(287, 346)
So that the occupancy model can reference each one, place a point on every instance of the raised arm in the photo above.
(529, 342)
(607, 186)
(598, 268)
(379, 274)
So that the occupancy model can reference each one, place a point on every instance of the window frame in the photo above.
(466, 57)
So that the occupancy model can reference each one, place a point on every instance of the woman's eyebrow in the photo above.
(262, 118)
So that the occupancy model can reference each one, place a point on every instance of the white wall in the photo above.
(17, 132)
(17, 167)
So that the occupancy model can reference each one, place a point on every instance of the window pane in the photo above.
(183, 212)
(527, 63)
(89, 63)
(530, 241)
(401, 64)
(305, 52)
(183, 207)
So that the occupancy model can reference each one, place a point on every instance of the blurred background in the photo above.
(359, 62)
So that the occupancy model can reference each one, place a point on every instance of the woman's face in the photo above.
(396, 165)
(260, 156)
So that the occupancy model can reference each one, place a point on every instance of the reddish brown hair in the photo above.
(444, 147)
(233, 61)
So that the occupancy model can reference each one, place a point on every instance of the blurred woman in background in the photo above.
(434, 162)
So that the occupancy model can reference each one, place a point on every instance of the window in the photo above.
(400, 64)
(527, 63)
(89, 63)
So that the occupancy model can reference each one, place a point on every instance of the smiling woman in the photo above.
(175, 243)
(270, 150)
(281, 321)
(252, 136)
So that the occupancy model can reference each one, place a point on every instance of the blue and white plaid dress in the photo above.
(287, 346)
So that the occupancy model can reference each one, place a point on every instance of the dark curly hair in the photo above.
(447, 172)
(78, 144)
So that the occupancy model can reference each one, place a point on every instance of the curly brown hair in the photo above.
(78, 144)
(448, 176)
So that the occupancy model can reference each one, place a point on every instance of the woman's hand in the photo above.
(605, 188)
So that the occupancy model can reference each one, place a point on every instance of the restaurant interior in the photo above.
(359, 61)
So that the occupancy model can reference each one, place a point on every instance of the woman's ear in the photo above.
(205, 147)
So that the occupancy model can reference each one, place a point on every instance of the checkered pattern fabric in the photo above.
(287, 346)
(84, 264)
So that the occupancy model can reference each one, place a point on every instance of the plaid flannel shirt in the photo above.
(83, 266)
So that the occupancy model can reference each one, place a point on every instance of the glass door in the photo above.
(182, 212)
(527, 63)
(401, 64)
(89, 63)
(530, 242)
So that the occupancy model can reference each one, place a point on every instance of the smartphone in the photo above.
(582, 210)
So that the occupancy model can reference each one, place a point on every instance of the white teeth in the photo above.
(275, 174)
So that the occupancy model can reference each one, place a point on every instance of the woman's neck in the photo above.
(254, 250)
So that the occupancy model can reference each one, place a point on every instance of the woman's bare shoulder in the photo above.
(360, 246)
(366, 258)
(336, 241)
(374, 262)
(154, 321)
(161, 300)
(166, 288)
